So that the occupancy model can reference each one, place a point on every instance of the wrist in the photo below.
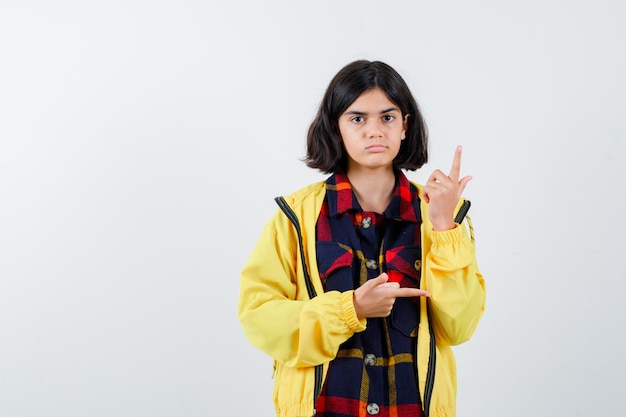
(442, 227)
(348, 312)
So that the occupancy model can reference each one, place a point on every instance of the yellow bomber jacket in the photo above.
(300, 333)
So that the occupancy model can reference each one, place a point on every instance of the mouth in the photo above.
(376, 148)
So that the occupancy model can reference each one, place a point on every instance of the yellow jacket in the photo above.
(300, 333)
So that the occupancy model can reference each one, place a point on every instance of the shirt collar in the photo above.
(341, 198)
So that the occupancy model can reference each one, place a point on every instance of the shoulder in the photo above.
(308, 194)
(305, 203)
(419, 187)
(420, 193)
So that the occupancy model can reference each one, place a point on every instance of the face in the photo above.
(372, 129)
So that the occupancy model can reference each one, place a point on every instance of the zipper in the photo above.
(294, 219)
(309, 285)
(462, 212)
(432, 359)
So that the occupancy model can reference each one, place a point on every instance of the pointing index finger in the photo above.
(455, 171)
(411, 292)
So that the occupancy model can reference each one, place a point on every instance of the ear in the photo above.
(405, 125)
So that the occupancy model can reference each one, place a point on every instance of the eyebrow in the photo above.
(361, 113)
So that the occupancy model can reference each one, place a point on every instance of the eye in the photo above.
(389, 118)
(357, 119)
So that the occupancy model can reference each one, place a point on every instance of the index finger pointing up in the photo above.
(455, 171)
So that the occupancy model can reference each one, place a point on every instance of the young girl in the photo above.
(360, 284)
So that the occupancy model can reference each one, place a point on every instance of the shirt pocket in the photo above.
(404, 265)
(405, 316)
(334, 261)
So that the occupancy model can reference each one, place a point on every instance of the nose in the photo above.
(374, 128)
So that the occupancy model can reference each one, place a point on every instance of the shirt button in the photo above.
(370, 359)
(366, 222)
(371, 264)
(418, 265)
(372, 409)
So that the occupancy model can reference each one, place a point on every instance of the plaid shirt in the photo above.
(374, 372)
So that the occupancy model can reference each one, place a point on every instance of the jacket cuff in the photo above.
(447, 236)
(348, 314)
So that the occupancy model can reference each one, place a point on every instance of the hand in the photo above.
(376, 297)
(442, 193)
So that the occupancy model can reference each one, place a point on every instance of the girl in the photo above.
(360, 284)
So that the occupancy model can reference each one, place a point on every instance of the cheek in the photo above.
(349, 134)
(398, 145)
(343, 133)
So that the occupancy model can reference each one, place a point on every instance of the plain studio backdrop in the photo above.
(142, 143)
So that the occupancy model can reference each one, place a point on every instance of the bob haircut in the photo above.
(325, 150)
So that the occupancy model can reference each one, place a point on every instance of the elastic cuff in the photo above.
(349, 314)
(447, 236)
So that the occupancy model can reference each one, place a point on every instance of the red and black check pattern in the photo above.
(374, 371)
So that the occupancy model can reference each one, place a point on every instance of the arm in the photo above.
(456, 285)
(450, 270)
(274, 309)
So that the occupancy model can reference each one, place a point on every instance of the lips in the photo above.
(376, 148)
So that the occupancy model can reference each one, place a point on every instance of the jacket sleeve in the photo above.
(275, 312)
(456, 285)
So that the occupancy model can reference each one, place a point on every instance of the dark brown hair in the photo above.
(325, 149)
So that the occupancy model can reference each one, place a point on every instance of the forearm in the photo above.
(456, 285)
(301, 333)
(277, 315)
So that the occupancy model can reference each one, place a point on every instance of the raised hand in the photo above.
(376, 297)
(442, 193)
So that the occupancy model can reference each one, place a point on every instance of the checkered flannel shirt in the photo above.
(374, 372)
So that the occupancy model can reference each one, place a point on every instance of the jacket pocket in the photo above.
(293, 390)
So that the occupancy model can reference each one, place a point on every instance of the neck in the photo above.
(373, 189)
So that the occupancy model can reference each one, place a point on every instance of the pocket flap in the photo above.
(405, 265)
(332, 256)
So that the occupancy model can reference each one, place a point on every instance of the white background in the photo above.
(142, 143)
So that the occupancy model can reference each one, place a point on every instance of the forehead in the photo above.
(373, 100)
